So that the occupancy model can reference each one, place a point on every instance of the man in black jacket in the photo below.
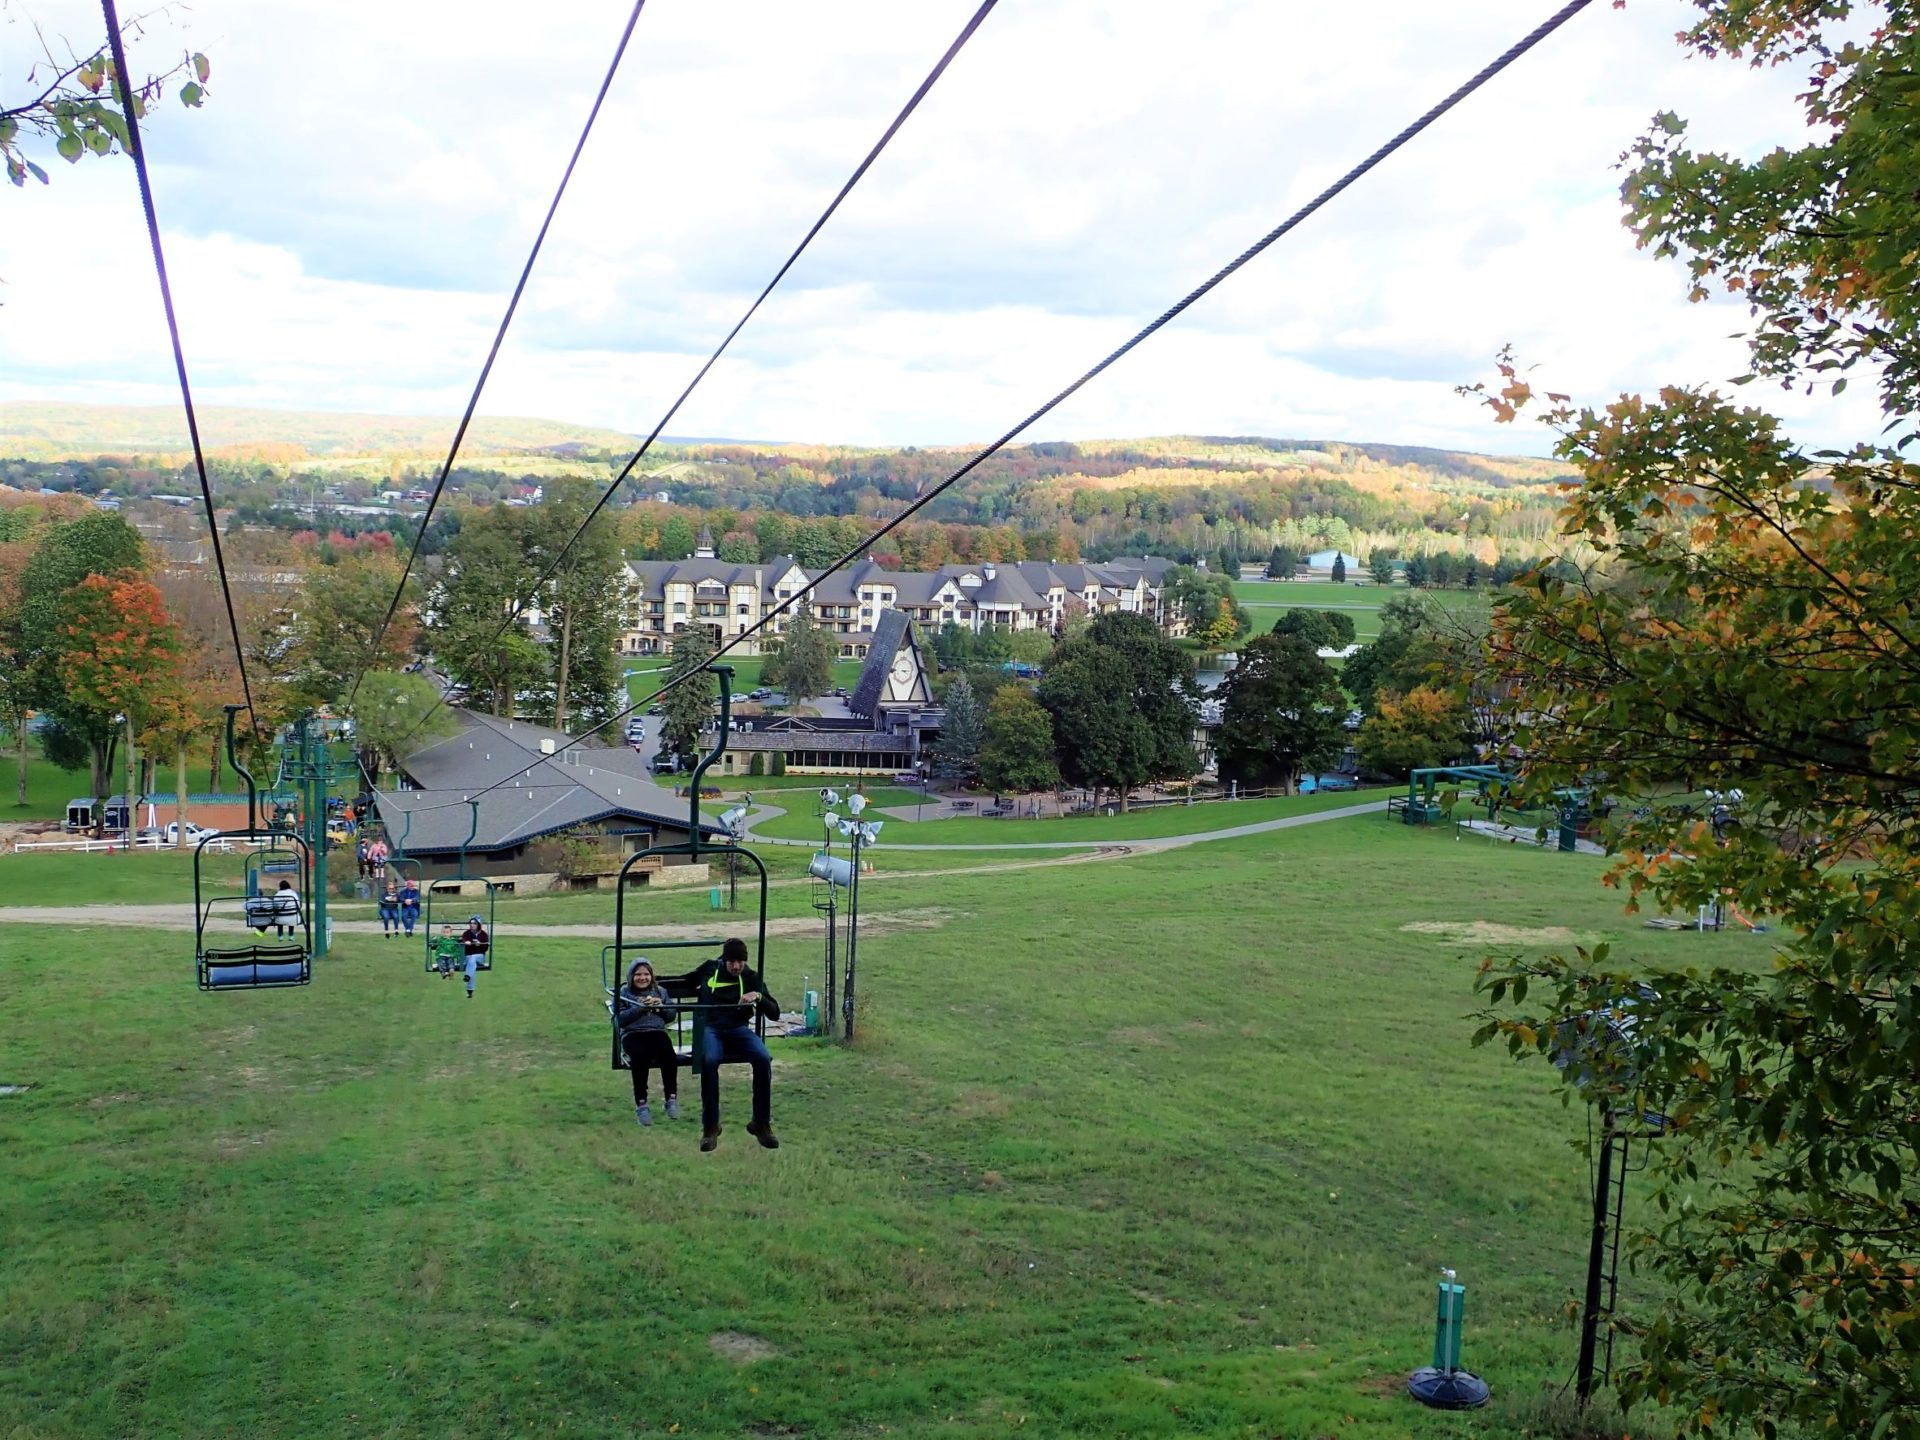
(730, 992)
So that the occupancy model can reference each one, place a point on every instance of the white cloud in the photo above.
(346, 217)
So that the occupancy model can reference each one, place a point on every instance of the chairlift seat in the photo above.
(685, 1029)
(254, 967)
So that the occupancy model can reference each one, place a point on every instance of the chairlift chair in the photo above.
(271, 855)
(688, 1030)
(459, 902)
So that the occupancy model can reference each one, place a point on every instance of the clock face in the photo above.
(902, 671)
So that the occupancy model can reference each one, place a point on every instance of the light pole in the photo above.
(860, 834)
(736, 822)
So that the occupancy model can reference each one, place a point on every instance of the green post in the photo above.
(1446, 1325)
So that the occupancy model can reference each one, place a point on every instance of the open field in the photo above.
(1154, 1147)
(746, 673)
(1361, 600)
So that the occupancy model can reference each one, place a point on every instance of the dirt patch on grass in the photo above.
(981, 1105)
(1384, 1387)
(118, 1097)
(1487, 932)
(230, 1147)
(1139, 1035)
(741, 1349)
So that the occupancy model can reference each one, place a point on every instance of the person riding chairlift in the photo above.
(475, 941)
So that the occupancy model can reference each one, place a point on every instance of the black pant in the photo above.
(646, 1049)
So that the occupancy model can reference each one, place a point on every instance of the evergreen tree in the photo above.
(688, 707)
(957, 752)
(1380, 567)
(803, 664)
(1339, 568)
(1282, 561)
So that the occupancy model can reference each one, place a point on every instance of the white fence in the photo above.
(111, 845)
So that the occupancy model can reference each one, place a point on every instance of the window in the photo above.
(679, 607)
(740, 610)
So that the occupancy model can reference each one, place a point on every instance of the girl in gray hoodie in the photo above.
(644, 1010)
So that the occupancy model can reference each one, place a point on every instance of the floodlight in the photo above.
(870, 830)
(832, 869)
(829, 797)
(856, 803)
(732, 818)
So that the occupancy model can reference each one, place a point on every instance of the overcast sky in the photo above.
(345, 219)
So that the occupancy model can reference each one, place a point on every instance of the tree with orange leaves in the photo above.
(120, 656)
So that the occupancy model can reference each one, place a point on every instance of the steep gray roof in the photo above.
(893, 631)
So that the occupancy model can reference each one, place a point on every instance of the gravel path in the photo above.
(1163, 842)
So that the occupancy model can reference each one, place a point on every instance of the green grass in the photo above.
(770, 783)
(125, 877)
(1163, 1147)
(800, 822)
(746, 673)
(1359, 600)
(49, 788)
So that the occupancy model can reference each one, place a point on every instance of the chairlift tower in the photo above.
(308, 764)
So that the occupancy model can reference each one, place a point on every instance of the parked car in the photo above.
(169, 834)
(759, 694)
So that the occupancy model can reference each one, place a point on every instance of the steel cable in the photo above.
(134, 148)
(1493, 68)
(906, 111)
(493, 353)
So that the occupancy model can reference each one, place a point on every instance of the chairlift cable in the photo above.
(1493, 68)
(906, 111)
(499, 337)
(139, 154)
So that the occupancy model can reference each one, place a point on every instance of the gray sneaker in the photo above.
(673, 1107)
(643, 1114)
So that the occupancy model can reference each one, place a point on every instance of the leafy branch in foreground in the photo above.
(73, 103)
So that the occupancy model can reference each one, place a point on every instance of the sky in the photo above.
(346, 216)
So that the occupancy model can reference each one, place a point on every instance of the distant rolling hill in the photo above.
(36, 431)
(52, 432)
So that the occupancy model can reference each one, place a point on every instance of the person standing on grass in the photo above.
(644, 1009)
(409, 904)
(377, 859)
(731, 993)
(474, 942)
